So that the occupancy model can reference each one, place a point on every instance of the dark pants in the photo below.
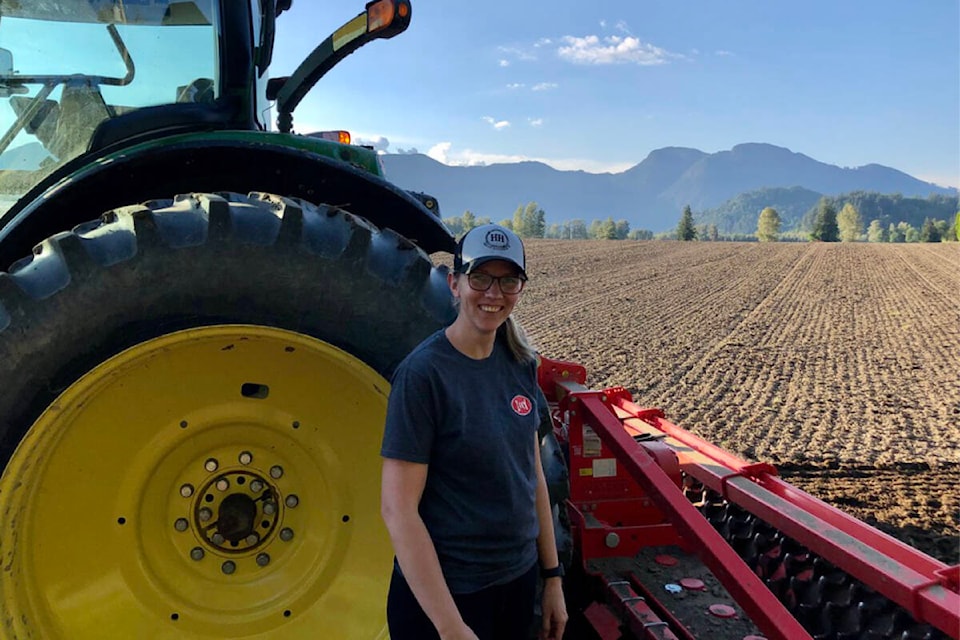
(501, 612)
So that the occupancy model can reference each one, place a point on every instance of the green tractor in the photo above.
(198, 320)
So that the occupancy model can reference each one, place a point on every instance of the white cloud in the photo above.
(504, 63)
(603, 24)
(517, 53)
(439, 152)
(471, 158)
(516, 85)
(496, 124)
(545, 86)
(723, 52)
(542, 42)
(535, 122)
(379, 143)
(612, 50)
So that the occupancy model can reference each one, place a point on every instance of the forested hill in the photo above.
(797, 208)
(739, 214)
(651, 194)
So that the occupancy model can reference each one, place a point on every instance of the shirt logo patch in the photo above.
(521, 405)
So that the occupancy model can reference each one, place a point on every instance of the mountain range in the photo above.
(649, 195)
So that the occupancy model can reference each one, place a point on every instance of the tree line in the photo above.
(828, 225)
(529, 221)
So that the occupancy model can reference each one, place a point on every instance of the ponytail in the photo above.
(517, 340)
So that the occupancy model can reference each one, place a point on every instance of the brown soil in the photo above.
(839, 363)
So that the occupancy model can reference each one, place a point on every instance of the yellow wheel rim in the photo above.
(219, 482)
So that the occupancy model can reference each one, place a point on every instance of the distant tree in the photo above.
(534, 221)
(641, 234)
(909, 232)
(849, 223)
(455, 225)
(578, 230)
(506, 222)
(956, 226)
(529, 221)
(517, 222)
(594, 230)
(876, 232)
(469, 220)
(482, 221)
(712, 233)
(944, 229)
(554, 230)
(929, 232)
(895, 234)
(622, 229)
(685, 229)
(768, 225)
(603, 229)
(825, 228)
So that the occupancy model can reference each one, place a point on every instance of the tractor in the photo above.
(200, 311)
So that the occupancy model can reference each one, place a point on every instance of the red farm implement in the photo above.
(677, 538)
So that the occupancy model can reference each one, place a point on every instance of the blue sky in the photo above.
(596, 85)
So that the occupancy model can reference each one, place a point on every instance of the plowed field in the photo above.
(838, 363)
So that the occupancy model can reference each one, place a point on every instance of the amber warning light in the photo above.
(343, 137)
(381, 14)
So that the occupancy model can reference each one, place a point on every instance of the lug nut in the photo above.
(253, 539)
(205, 514)
(269, 508)
(292, 501)
(276, 472)
(286, 534)
(256, 486)
(263, 559)
(223, 484)
(228, 567)
(186, 490)
(246, 457)
(217, 538)
(211, 465)
(181, 524)
(196, 553)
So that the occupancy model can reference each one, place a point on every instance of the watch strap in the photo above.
(553, 572)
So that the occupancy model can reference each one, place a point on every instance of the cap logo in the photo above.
(521, 405)
(497, 240)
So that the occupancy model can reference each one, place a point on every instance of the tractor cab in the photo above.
(73, 74)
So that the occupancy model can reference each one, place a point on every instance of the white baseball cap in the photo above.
(489, 242)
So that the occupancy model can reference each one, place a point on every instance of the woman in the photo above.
(463, 491)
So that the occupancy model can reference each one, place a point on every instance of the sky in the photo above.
(597, 85)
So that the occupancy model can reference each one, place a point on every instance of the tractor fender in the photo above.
(219, 161)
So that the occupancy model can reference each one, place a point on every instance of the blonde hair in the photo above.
(517, 340)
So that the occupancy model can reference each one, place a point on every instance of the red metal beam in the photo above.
(766, 611)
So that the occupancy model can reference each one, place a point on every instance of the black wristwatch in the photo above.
(555, 572)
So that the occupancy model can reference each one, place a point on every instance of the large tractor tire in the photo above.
(192, 394)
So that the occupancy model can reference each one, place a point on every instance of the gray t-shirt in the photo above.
(474, 422)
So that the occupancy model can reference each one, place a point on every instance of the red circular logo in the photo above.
(522, 405)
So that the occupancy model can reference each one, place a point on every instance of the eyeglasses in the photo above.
(480, 281)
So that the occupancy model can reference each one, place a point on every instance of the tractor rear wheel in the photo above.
(192, 394)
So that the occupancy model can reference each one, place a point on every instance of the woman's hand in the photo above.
(554, 610)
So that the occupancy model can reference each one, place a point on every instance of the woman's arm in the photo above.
(554, 608)
(402, 487)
